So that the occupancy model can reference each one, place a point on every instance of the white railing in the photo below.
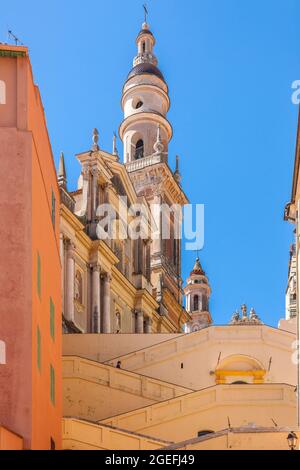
(143, 162)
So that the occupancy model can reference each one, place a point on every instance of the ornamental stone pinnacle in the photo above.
(252, 319)
(158, 146)
(115, 150)
(61, 174)
(95, 146)
(177, 174)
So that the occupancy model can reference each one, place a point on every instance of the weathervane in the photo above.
(145, 11)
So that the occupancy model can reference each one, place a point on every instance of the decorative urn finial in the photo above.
(115, 150)
(177, 174)
(253, 315)
(244, 311)
(235, 317)
(158, 146)
(95, 146)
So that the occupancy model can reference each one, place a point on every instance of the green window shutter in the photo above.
(38, 343)
(39, 285)
(52, 319)
(52, 384)
(53, 209)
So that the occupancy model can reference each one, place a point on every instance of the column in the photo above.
(62, 262)
(148, 326)
(95, 192)
(86, 195)
(107, 188)
(139, 322)
(96, 314)
(106, 303)
(70, 278)
(61, 248)
(106, 196)
(148, 260)
(144, 258)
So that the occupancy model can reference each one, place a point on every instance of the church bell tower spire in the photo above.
(146, 133)
(197, 293)
(145, 103)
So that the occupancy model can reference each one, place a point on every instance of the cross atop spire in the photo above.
(145, 12)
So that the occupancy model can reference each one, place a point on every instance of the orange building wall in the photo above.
(9, 440)
(26, 206)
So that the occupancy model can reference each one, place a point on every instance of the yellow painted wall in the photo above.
(182, 418)
(232, 440)
(101, 347)
(96, 391)
(190, 360)
(82, 435)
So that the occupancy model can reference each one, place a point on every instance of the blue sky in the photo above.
(229, 65)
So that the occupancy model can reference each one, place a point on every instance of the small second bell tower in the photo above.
(197, 293)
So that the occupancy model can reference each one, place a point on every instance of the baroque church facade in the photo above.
(123, 285)
(193, 385)
(135, 368)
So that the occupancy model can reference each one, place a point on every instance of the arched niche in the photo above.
(78, 287)
(239, 368)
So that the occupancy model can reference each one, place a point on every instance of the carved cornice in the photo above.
(119, 170)
(103, 254)
(144, 298)
(160, 180)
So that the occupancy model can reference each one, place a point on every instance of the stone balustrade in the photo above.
(95, 391)
(83, 435)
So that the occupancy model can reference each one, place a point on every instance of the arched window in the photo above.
(2, 92)
(139, 105)
(196, 303)
(144, 46)
(139, 149)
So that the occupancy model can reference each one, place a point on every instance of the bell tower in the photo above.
(146, 133)
(145, 103)
(197, 293)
